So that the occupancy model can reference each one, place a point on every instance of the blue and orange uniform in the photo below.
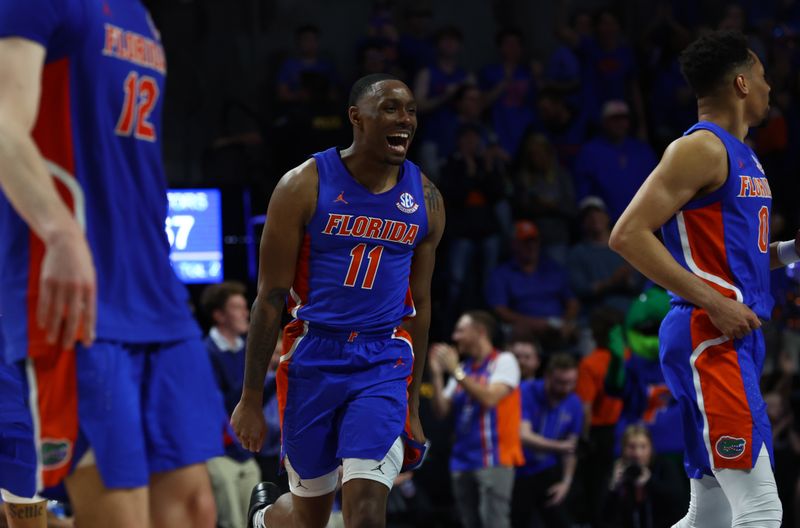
(723, 238)
(485, 437)
(342, 380)
(98, 131)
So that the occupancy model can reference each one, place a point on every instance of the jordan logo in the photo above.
(340, 198)
(353, 336)
(379, 467)
(300, 484)
(399, 363)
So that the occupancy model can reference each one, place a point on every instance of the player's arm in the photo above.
(784, 253)
(693, 165)
(67, 296)
(290, 208)
(420, 284)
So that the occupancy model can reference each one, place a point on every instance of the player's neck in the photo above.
(376, 176)
(729, 117)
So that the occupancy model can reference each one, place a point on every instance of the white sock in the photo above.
(258, 517)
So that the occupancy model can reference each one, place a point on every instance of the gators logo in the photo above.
(730, 447)
(55, 452)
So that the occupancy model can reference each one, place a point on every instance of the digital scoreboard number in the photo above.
(194, 231)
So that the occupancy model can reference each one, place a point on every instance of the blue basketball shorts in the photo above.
(141, 409)
(18, 464)
(716, 383)
(341, 395)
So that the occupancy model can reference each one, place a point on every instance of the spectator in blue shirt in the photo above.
(531, 293)
(307, 60)
(552, 421)
(614, 165)
(234, 474)
(510, 86)
(598, 275)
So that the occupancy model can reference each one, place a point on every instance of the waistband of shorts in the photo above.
(354, 335)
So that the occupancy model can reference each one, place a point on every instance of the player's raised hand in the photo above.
(67, 308)
(733, 318)
(249, 424)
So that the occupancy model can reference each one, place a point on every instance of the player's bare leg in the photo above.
(364, 503)
(291, 511)
(27, 514)
(182, 497)
(96, 506)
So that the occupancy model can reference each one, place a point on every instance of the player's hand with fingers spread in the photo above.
(249, 424)
(67, 305)
(733, 318)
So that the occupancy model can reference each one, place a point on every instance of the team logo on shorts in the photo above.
(407, 203)
(730, 447)
(55, 452)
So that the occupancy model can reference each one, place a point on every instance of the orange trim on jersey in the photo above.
(509, 417)
(706, 234)
(300, 285)
(291, 332)
(52, 134)
(57, 398)
(724, 398)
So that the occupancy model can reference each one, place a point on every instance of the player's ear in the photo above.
(741, 85)
(355, 116)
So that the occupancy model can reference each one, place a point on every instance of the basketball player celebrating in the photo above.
(712, 201)
(350, 239)
(127, 419)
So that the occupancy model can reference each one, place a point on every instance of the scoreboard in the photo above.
(194, 231)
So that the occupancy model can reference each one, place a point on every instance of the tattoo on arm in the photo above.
(265, 324)
(25, 511)
(433, 198)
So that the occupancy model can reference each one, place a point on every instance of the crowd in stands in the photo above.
(536, 158)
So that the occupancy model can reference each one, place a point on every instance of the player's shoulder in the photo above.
(699, 145)
(434, 204)
(300, 179)
(298, 187)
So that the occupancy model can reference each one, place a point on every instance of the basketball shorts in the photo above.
(18, 462)
(716, 382)
(341, 395)
(141, 409)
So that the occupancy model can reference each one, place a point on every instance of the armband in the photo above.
(787, 253)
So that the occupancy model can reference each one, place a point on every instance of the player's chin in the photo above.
(395, 159)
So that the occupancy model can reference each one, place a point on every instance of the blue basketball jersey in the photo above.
(354, 266)
(98, 129)
(723, 237)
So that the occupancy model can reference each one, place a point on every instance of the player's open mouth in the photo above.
(398, 142)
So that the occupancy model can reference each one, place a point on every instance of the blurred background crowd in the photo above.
(538, 121)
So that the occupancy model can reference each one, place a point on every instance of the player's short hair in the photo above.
(216, 296)
(364, 84)
(561, 361)
(485, 320)
(707, 62)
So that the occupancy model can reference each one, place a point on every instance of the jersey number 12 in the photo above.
(141, 94)
(356, 258)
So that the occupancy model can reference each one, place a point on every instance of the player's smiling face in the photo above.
(389, 120)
